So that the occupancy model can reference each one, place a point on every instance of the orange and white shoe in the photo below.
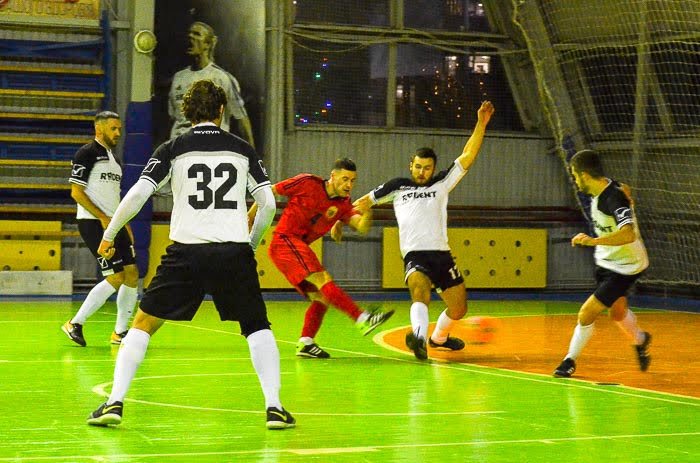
(116, 338)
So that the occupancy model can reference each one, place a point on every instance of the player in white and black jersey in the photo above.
(420, 205)
(95, 186)
(201, 45)
(209, 171)
(620, 258)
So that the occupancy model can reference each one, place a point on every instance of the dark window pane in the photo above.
(334, 86)
(611, 78)
(447, 15)
(355, 12)
(677, 69)
(438, 89)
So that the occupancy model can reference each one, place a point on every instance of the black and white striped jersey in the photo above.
(95, 168)
(209, 171)
(421, 210)
(610, 211)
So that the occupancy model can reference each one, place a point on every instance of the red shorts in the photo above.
(295, 259)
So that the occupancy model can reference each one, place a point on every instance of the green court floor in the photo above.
(196, 399)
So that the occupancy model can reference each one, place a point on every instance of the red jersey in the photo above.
(310, 213)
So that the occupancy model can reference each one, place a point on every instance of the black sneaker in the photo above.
(106, 414)
(642, 352)
(451, 343)
(74, 331)
(279, 419)
(376, 318)
(417, 345)
(566, 369)
(311, 351)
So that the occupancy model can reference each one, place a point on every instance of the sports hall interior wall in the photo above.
(518, 181)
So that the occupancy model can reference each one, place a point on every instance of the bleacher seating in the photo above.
(51, 86)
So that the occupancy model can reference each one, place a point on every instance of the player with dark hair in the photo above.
(95, 179)
(620, 258)
(420, 205)
(209, 170)
(314, 205)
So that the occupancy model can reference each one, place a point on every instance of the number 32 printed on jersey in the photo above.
(205, 195)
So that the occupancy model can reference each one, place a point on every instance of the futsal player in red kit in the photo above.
(314, 205)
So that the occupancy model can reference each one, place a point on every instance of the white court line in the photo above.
(111, 360)
(363, 449)
(57, 323)
(504, 373)
(100, 390)
(499, 372)
(522, 376)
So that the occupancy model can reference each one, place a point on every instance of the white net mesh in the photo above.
(623, 78)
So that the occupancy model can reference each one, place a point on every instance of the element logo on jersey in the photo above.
(260, 163)
(152, 163)
(103, 262)
(331, 212)
(78, 170)
(418, 195)
(623, 214)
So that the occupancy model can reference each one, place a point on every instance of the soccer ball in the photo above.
(482, 330)
(145, 41)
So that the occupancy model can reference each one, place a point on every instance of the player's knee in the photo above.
(585, 318)
(249, 327)
(131, 276)
(116, 279)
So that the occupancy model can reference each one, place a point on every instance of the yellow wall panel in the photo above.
(160, 239)
(23, 254)
(30, 255)
(487, 257)
(270, 277)
(30, 225)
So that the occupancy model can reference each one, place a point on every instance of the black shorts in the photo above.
(227, 271)
(612, 285)
(439, 266)
(91, 231)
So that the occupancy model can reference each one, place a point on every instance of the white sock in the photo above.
(442, 328)
(131, 353)
(266, 361)
(126, 301)
(419, 319)
(579, 340)
(629, 326)
(307, 341)
(95, 299)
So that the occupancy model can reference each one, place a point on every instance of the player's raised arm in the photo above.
(471, 149)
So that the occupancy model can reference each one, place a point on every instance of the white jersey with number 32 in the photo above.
(209, 171)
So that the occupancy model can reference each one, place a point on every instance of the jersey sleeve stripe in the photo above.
(625, 222)
(259, 186)
(76, 181)
(150, 180)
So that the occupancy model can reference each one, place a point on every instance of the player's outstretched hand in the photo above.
(582, 240)
(485, 111)
(362, 204)
(106, 249)
(337, 231)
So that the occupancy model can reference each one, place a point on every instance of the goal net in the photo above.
(623, 78)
